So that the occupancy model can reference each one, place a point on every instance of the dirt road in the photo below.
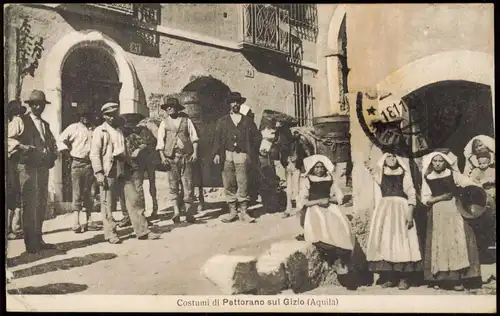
(86, 264)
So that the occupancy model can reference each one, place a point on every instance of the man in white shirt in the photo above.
(117, 176)
(178, 148)
(76, 139)
(33, 167)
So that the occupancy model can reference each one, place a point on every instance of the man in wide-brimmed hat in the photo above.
(76, 139)
(236, 141)
(34, 132)
(178, 148)
(117, 175)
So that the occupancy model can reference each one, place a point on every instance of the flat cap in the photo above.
(110, 107)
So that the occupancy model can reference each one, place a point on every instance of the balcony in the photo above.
(265, 26)
(144, 14)
(124, 8)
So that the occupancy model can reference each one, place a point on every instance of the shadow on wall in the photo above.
(273, 64)
(106, 22)
(55, 288)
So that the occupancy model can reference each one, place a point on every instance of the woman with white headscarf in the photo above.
(478, 144)
(324, 224)
(451, 253)
(393, 248)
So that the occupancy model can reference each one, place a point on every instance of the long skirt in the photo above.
(328, 226)
(391, 245)
(451, 251)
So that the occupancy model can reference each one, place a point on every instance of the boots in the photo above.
(189, 213)
(233, 214)
(177, 211)
(243, 208)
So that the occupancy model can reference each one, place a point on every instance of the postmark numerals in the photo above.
(394, 111)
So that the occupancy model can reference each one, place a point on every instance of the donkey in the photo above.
(279, 143)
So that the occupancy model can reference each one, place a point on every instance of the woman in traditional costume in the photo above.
(451, 253)
(325, 226)
(478, 144)
(393, 248)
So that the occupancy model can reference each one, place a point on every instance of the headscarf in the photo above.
(311, 161)
(427, 161)
(486, 140)
(403, 164)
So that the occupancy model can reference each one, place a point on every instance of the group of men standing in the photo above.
(102, 153)
(108, 154)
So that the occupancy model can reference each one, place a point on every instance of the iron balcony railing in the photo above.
(125, 8)
(266, 26)
(149, 13)
(270, 26)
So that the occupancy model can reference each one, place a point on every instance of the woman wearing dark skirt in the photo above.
(393, 248)
(451, 255)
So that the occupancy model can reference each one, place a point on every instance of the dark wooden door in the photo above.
(103, 91)
(95, 94)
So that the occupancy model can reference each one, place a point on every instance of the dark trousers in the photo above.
(268, 188)
(34, 183)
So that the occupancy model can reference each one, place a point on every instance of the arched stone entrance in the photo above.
(447, 70)
(211, 95)
(54, 64)
(336, 61)
(451, 65)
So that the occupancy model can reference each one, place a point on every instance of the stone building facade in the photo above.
(139, 53)
(307, 60)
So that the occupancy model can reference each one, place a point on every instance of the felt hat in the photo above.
(15, 107)
(474, 200)
(236, 96)
(172, 103)
(37, 96)
(110, 107)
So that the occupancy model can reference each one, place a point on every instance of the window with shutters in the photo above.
(304, 103)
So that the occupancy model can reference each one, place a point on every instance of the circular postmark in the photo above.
(406, 129)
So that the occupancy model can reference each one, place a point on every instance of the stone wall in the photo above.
(265, 82)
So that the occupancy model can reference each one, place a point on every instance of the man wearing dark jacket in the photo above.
(235, 142)
(34, 132)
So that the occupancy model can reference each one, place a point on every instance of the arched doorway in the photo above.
(54, 63)
(441, 73)
(89, 77)
(211, 95)
(336, 62)
(472, 103)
